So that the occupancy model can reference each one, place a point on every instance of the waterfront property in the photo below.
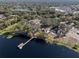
(73, 33)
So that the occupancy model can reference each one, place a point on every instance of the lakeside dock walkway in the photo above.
(21, 45)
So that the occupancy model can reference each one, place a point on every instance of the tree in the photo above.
(40, 34)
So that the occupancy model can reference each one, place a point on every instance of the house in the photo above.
(73, 33)
(61, 29)
(35, 22)
(46, 30)
(2, 25)
(2, 16)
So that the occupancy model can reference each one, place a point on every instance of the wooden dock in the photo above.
(21, 45)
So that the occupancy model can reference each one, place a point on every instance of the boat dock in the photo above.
(21, 45)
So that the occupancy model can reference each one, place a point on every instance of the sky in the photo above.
(42, 0)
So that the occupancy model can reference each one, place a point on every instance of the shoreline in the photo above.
(57, 43)
(68, 47)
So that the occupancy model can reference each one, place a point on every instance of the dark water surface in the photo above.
(8, 48)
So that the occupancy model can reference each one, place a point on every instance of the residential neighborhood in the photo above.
(52, 23)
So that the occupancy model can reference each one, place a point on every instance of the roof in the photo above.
(73, 33)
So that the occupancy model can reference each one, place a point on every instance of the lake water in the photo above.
(8, 48)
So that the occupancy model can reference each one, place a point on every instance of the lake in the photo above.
(34, 49)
